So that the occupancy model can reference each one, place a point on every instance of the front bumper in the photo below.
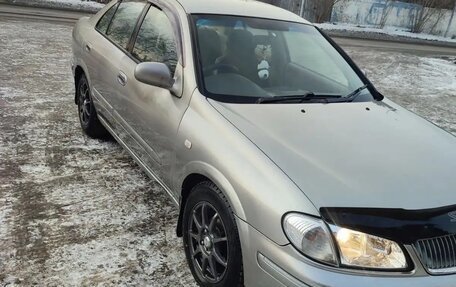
(268, 264)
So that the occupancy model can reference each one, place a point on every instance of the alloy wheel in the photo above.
(208, 243)
(85, 106)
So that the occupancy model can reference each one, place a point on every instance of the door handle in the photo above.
(122, 78)
(88, 47)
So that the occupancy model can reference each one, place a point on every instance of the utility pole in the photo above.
(451, 19)
(302, 8)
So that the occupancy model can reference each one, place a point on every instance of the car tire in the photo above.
(88, 118)
(214, 240)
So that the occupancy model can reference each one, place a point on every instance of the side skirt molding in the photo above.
(146, 169)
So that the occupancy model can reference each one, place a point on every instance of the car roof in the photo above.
(239, 8)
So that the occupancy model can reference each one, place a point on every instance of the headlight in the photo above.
(310, 236)
(367, 251)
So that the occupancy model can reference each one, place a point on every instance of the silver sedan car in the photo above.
(288, 167)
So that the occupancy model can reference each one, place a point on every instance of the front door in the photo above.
(152, 114)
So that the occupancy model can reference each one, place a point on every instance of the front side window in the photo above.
(243, 59)
(103, 24)
(155, 41)
(124, 21)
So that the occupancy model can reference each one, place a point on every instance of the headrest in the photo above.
(240, 40)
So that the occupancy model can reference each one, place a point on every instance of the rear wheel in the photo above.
(211, 238)
(86, 110)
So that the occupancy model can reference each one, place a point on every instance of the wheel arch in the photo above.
(201, 172)
(78, 72)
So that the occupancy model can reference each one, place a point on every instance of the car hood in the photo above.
(370, 154)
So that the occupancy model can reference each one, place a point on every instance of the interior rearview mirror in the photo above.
(155, 74)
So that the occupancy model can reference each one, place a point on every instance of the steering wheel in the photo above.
(221, 68)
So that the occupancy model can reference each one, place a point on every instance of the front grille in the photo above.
(438, 254)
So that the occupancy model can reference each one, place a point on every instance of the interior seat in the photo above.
(210, 46)
(240, 53)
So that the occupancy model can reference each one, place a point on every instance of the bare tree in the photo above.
(429, 13)
(389, 4)
(438, 15)
(291, 5)
(451, 18)
(318, 11)
(323, 10)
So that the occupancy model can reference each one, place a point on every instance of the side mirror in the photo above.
(155, 74)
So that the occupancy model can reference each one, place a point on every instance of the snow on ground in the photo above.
(426, 86)
(76, 3)
(79, 212)
(73, 211)
(82, 5)
(390, 31)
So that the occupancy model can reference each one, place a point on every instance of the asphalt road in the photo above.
(39, 14)
(67, 16)
(389, 46)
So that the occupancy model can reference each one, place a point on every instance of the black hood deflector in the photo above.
(400, 225)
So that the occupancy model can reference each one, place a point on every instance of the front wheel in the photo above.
(211, 238)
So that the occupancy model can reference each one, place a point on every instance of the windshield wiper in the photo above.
(296, 98)
(353, 95)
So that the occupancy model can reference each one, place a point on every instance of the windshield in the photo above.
(242, 59)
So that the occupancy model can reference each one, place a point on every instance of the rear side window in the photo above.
(155, 41)
(124, 21)
(103, 24)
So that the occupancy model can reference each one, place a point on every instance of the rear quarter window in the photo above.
(103, 24)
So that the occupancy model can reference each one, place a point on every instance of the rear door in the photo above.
(101, 50)
(96, 50)
(111, 50)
